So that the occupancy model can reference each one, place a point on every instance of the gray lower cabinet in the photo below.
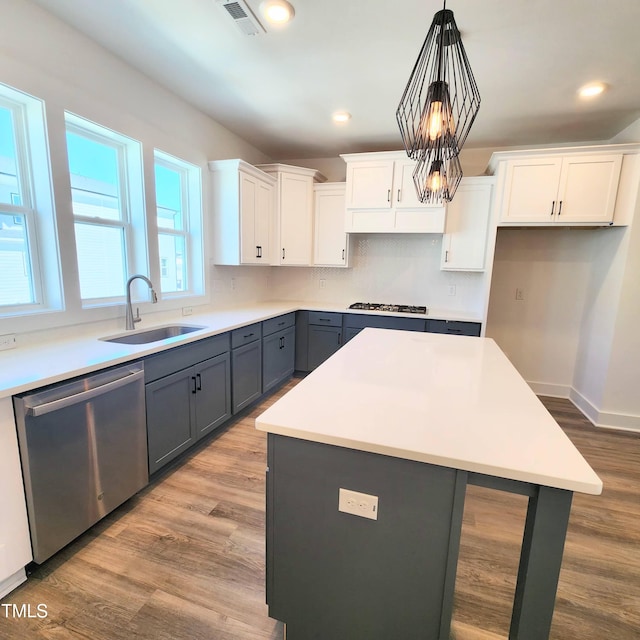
(184, 405)
(278, 350)
(325, 337)
(454, 327)
(356, 322)
(246, 366)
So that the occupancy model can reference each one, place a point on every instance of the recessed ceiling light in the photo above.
(277, 11)
(341, 117)
(591, 90)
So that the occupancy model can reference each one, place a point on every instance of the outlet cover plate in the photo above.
(358, 504)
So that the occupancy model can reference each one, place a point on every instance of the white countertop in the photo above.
(28, 367)
(454, 401)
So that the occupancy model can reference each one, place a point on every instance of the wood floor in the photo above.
(184, 559)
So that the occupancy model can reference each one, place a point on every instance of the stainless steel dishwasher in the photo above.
(83, 447)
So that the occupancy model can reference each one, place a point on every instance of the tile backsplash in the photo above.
(389, 268)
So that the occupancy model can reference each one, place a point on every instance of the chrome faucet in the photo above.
(130, 320)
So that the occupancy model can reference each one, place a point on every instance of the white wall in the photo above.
(44, 57)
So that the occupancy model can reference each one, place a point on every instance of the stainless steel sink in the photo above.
(153, 335)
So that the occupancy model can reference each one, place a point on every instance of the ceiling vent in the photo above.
(242, 16)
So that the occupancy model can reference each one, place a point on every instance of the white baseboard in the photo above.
(552, 390)
(601, 419)
(9, 584)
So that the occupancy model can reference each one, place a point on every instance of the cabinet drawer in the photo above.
(278, 324)
(178, 358)
(245, 335)
(325, 319)
(360, 321)
(454, 327)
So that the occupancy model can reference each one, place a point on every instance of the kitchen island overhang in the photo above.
(404, 403)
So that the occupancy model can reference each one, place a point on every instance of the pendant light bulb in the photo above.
(437, 117)
(436, 179)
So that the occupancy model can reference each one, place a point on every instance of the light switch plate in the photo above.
(358, 504)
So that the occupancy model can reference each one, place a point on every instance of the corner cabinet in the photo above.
(293, 220)
(464, 244)
(381, 196)
(243, 199)
(330, 240)
(558, 189)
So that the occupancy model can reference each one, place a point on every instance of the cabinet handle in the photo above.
(283, 253)
(324, 319)
(195, 388)
(553, 206)
(343, 254)
(388, 195)
(398, 195)
(339, 339)
(247, 336)
(560, 209)
(281, 323)
(446, 256)
(198, 382)
(258, 251)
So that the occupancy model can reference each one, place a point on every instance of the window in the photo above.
(179, 222)
(30, 274)
(108, 209)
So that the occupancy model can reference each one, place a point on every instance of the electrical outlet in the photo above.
(8, 341)
(322, 283)
(187, 311)
(519, 294)
(358, 504)
(452, 289)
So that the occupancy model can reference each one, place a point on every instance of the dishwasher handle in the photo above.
(62, 403)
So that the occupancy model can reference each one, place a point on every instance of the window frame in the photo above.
(192, 223)
(37, 210)
(130, 198)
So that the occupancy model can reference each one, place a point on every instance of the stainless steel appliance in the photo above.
(394, 308)
(83, 446)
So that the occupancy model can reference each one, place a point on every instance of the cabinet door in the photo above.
(263, 221)
(369, 184)
(329, 238)
(531, 190)
(465, 240)
(278, 358)
(248, 212)
(323, 342)
(246, 374)
(170, 417)
(588, 189)
(296, 204)
(404, 189)
(213, 397)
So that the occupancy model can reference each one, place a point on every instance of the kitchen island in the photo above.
(409, 420)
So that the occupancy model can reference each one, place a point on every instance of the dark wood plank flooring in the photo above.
(184, 559)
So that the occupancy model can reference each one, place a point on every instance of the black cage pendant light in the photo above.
(438, 107)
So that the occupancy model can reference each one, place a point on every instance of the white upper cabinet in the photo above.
(464, 244)
(381, 196)
(243, 200)
(293, 221)
(576, 189)
(330, 241)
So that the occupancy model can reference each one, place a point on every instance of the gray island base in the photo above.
(415, 446)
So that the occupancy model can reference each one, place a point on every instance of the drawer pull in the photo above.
(248, 335)
(195, 386)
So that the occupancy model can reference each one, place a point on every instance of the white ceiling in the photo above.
(279, 89)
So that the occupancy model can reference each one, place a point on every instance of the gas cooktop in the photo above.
(393, 308)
